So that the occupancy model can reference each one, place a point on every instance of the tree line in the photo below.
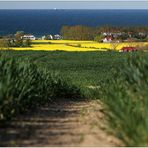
(80, 32)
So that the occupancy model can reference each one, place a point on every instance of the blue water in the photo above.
(40, 22)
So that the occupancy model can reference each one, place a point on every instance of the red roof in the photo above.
(128, 48)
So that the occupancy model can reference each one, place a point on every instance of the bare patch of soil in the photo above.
(60, 123)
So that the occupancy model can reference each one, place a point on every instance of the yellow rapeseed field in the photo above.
(70, 45)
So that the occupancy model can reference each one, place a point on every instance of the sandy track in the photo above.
(62, 123)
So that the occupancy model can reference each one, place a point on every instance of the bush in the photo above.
(125, 97)
(24, 85)
(3, 44)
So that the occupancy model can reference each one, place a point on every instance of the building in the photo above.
(128, 49)
(107, 39)
(106, 33)
(47, 37)
(28, 37)
(57, 37)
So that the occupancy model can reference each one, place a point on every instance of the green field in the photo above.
(30, 78)
(85, 68)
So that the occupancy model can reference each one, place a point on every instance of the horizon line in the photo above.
(55, 9)
(74, 1)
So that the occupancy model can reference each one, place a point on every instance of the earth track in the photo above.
(60, 123)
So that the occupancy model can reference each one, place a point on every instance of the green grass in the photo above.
(85, 68)
(24, 85)
(125, 97)
(123, 85)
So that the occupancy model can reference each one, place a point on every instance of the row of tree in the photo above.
(78, 32)
(96, 33)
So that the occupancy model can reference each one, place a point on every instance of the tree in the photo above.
(114, 45)
(146, 39)
(78, 32)
(3, 44)
(19, 35)
(26, 43)
(65, 32)
(99, 38)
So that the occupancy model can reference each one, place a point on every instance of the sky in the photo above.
(73, 4)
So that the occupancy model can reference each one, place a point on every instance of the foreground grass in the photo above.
(123, 84)
(125, 97)
(24, 85)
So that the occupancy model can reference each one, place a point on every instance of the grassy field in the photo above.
(24, 71)
(121, 77)
(25, 85)
(70, 45)
(85, 68)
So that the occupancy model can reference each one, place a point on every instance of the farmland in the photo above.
(73, 78)
(71, 45)
(74, 75)
(84, 68)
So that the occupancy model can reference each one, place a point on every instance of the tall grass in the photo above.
(125, 97)
(24, 85)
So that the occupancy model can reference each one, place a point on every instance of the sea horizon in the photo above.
(50, 21)
(72, 9)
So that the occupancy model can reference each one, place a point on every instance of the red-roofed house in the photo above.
(128, 49)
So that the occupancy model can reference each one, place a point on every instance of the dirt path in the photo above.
(63, 123)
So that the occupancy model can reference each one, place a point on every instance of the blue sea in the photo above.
(41, 22)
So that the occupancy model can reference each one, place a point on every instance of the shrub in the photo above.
(3, 44)
(125, 97)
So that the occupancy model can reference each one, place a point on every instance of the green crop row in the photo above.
(125, 97)
(25, 85)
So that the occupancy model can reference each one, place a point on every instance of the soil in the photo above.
(59, 123)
